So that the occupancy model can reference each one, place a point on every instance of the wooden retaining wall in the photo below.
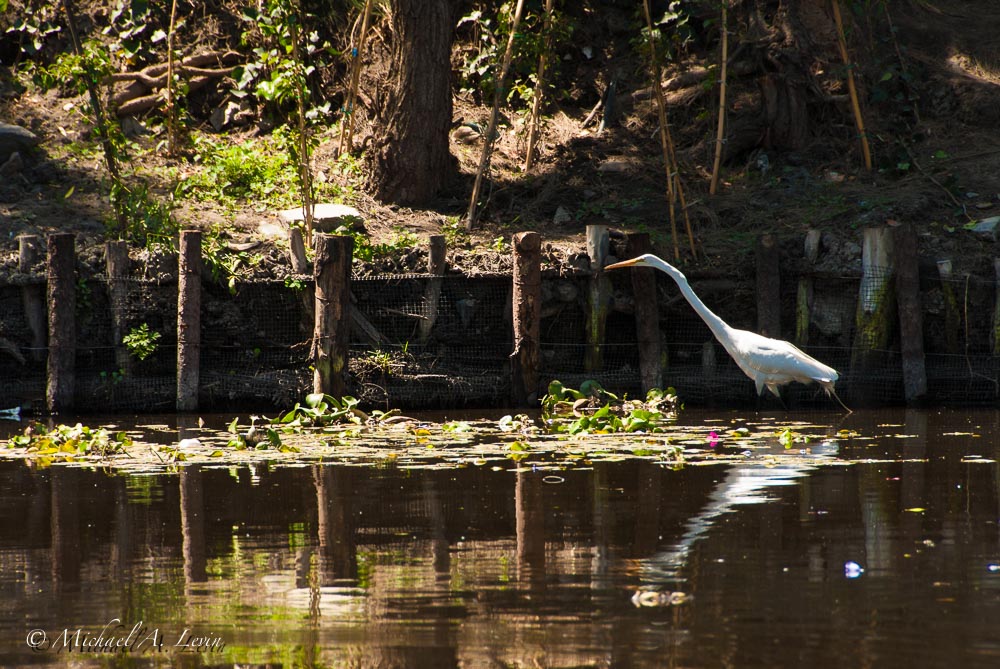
(887, 332)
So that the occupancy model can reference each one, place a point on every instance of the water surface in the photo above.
(883, 552)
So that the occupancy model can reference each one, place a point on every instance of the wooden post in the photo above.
(436, 266)
(911, 330)
(527, 321)
(297, 251)
(804, 294)
(188, 320)
(116, 262)
(876, 301)
(61, 381)
(996, 309)
(598, 243)
(647, 315)
(768, 287)
(952, 314)
(332, 271)
(32, 295)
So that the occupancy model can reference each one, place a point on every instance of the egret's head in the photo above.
(639, 261)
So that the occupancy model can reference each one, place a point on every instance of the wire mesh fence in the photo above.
(420, 342)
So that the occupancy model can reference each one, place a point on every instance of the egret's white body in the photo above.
(769, 362)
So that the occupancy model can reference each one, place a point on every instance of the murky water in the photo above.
(885, 553)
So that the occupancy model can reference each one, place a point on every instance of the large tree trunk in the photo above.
(800, 39)
(409, 161)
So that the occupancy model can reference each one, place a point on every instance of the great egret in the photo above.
(769, 362)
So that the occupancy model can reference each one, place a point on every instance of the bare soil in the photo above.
(936, 167)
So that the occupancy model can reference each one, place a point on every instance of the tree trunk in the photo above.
(410, 159)
(793, 40)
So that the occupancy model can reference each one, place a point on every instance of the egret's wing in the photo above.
(774, 357)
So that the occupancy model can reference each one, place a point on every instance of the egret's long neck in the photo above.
(714, 323)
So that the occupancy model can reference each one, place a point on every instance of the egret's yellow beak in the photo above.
(624, 263)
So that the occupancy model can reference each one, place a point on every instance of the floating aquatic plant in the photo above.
(593, 410)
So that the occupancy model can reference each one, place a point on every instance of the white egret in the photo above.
(769, 362)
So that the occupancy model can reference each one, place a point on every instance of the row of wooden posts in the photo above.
(879, 303)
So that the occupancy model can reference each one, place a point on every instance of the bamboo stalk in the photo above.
(859, 120)
(305, 168)
(722, 107)
(536, 103)
(674, 190)
(662, 117)
(171, 109)
(470, 217)
(347, 125)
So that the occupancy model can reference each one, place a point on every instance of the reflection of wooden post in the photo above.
(912, 488)
(876, 300)
(952, 314)
(436, 267)
(530, 523)
(647, 315)
(332, 270)
(65, 521)
(995, 341)
(911, 330)
(440, 548)
(768, 287)
(597, 297)
(337, 550)
(193, 525)
(527, 310)
(116, 261)
(188, 320)
(32, 295)
(62, 323)
(804, 295)
(648, 509)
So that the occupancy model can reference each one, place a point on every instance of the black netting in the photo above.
(420, 341)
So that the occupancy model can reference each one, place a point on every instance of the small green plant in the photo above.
(65, 440)
(593, 410)
(114, 376)
(141, 341)
(365, 250)
(321, 409)
(480, 69)
(455, 232)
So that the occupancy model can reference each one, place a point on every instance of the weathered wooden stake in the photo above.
(911, 330)
(188, 320)
(116, 262)
(876, 301)
(297, 251)
(598, 243)
(61, 381)
(527, 320)
(768, 287)
(804, 295)
(332, 271)
(32, 295)
(647, 315)
(437, 264)
(996, 309)
(952, 314)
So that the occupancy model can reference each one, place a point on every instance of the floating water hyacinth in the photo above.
(852, 569)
